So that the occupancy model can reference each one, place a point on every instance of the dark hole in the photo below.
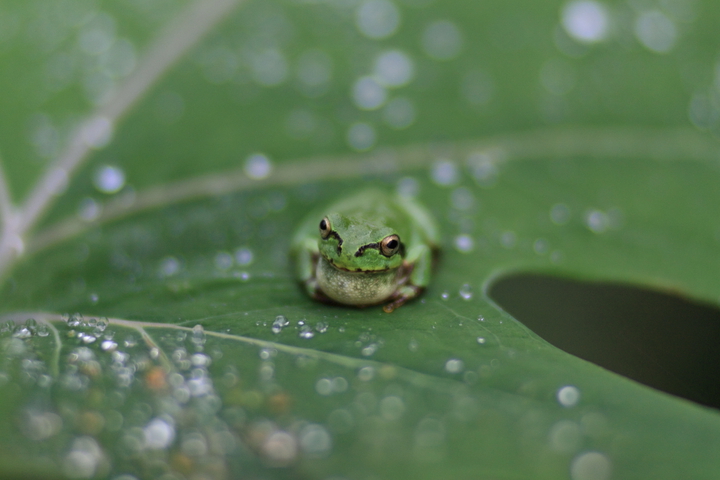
(661, 340)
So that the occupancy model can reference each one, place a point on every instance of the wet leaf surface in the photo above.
(153, 328)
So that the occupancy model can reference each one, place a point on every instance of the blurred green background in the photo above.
(574, 139)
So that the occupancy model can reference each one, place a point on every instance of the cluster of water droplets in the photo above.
(304, 329)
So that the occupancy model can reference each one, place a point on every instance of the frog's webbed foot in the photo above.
(404, 294)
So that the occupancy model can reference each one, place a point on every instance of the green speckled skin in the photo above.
(348, 267)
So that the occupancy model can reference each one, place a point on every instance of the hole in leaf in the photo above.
(661, 340)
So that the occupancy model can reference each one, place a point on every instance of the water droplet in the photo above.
(306, 332)
(200, 360)
(198, 335)
(258, 166)
(159, 434)
(508, 239)
(368, 93)
(194, 445)
(591, 466)
(169, 266)
(366, 373)
(315, 440)
(83, 459)
(339, 384)
(540, 246)
(109, 179)
(87, 338)
(413, 345)
(108, 345)
(22, 332)
(369, 350)
(586, 21)
(483, 168)
(444, 295)
(361, 136)
(454, 365)
(75, 320)
(42, 330)
(377, 19)
(269, 67)
(481, 318)
(560, 214)
(444, 172)
(399, 113)
(223, 261)
(565, 436)
(442, 40)
(656, 31)
(394, 68)
(101, 325)
(279, 323)
(243, 256)
(321, 327)
(481, 340)
(464, 243)
(392, 408)
(568, 396)
(466, 292)
(324, 386)
(41, 425)
(597, 221)
(280, 448)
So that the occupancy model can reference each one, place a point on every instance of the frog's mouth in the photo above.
(353, 270)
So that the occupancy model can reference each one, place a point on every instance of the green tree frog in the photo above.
(367, 249)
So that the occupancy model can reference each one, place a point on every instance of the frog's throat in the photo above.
(355, 270)
(356, 288)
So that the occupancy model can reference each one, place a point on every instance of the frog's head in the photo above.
(358, 245)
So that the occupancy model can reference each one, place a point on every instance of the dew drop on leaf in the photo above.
(454, 365)
(306, 332)
(279, 323)
(568, 396)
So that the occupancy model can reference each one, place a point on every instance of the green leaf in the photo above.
(154, 328)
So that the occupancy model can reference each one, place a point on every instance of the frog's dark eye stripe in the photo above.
(326, 232)
(389, 246)
(362, 249)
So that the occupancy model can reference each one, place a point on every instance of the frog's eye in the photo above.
(325, 228)
(390, 245)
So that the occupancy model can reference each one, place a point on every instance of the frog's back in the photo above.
(412, 220)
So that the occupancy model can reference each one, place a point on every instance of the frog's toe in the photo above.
(403, 294)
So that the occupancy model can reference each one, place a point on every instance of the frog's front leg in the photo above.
(305, 262)
(307, 257)
(419, 259)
